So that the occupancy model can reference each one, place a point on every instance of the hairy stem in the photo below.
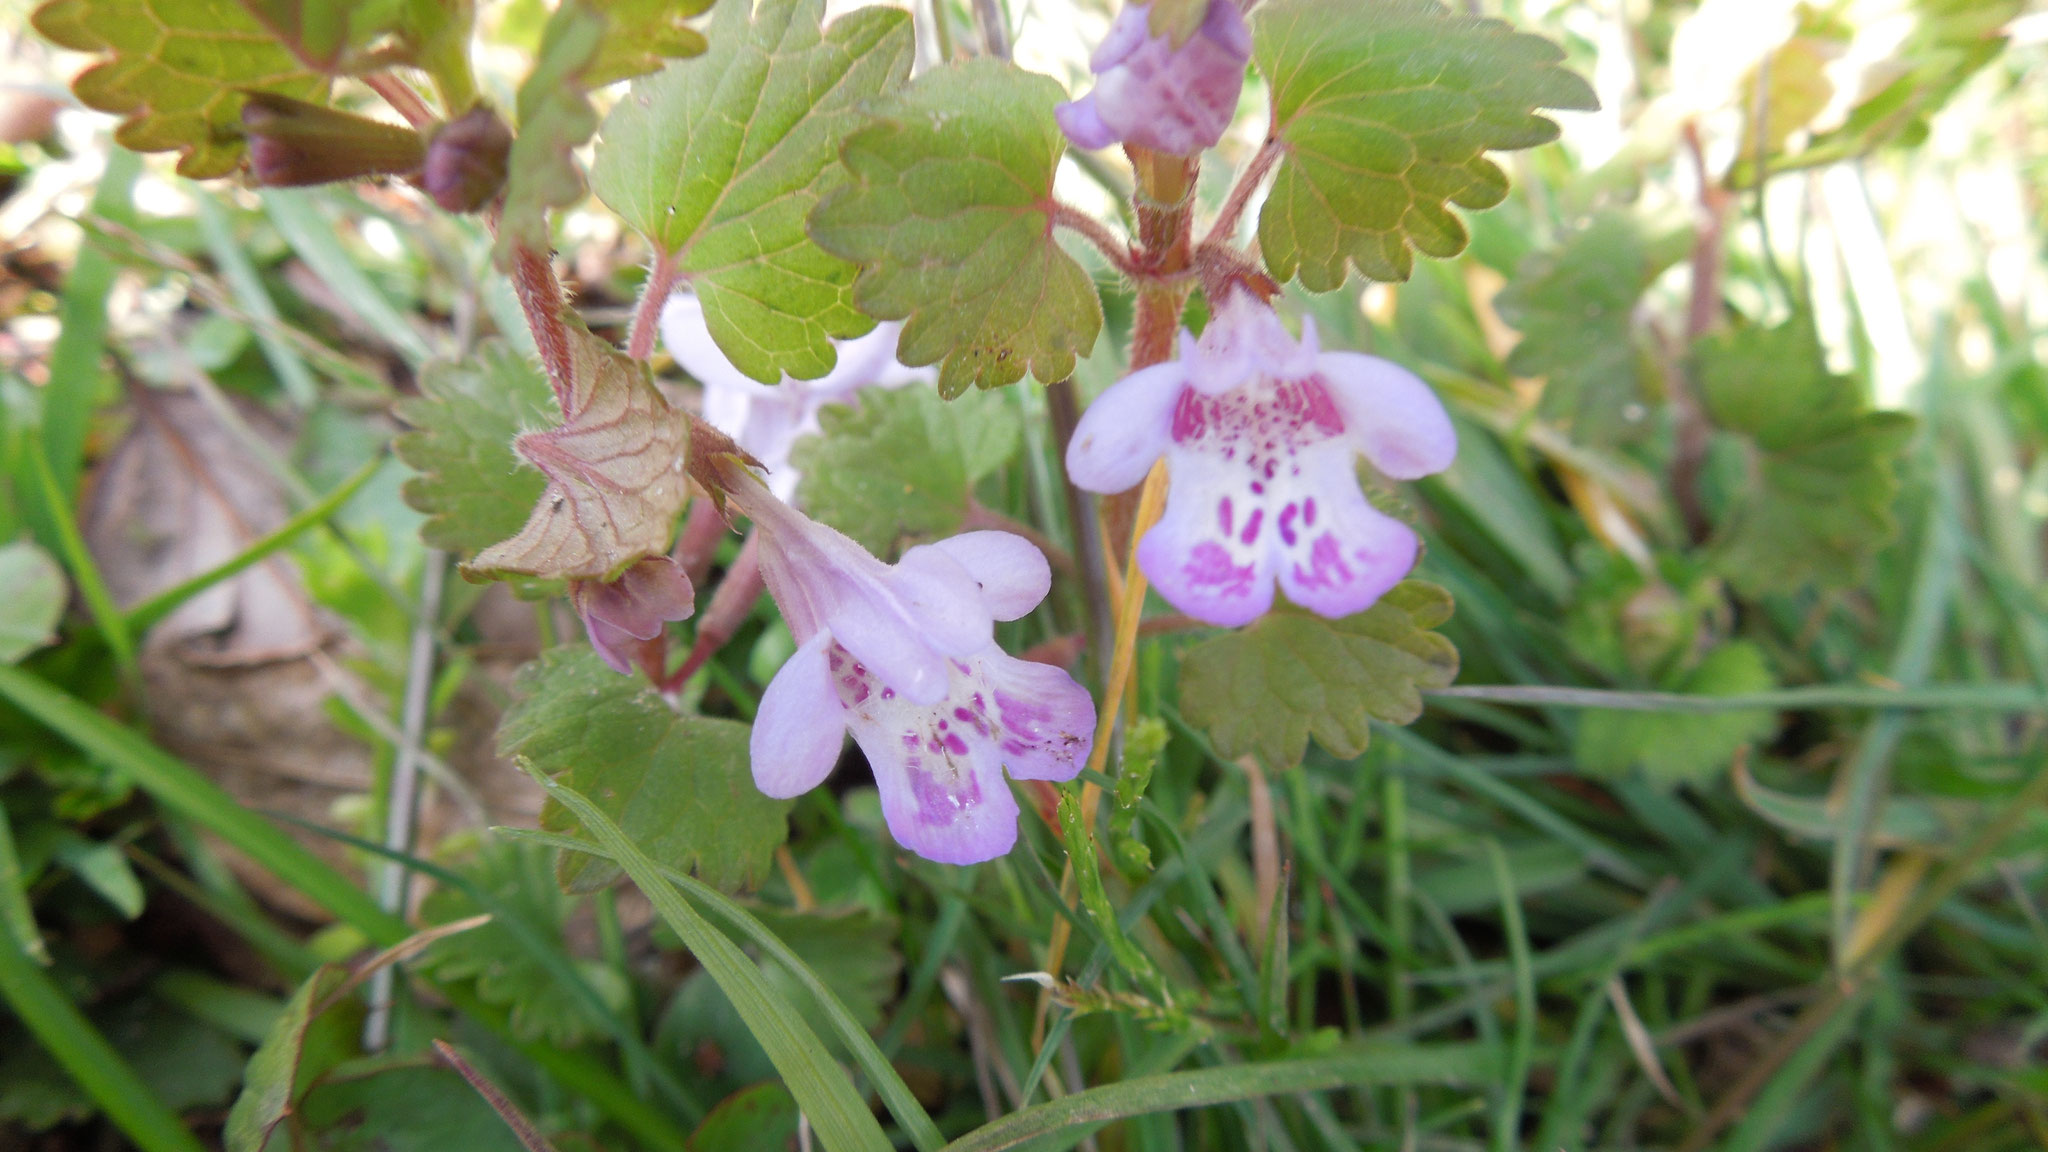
(1113, 247)
(1240, 197)
(540, 298)
(661, 280)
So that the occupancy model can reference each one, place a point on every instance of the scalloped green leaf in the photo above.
(1682, 748)
(1384, 113)
(948, 211)
(719, 160)
(586, 45)
(1574, 304)
(472, 487)
(1824, 466)
(1263, 690)
(901, 467)
(175, 71)
(682, 787)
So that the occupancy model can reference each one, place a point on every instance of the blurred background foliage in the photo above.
(1748, 370)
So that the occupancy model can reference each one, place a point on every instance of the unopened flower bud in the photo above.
(465, 167)
(293, 143)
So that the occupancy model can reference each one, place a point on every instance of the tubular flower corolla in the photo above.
(623, 614)
(1261, 434)
(905, 657)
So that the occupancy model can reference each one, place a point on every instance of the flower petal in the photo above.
(941, 598)
(1012, 572)
(1083, 124)
(944, 799)
(1390, 414)
(1127, 428)
(1045, 721)
(1337, 554)
(1208, 554)
(894, 649)
(800, 725)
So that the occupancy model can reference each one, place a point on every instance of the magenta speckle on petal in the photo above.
(1326, 565)
(1269, 427)
(1210, 567)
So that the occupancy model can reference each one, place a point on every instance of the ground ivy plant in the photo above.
(822, 212)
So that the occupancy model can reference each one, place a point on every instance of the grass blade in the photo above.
(177, 786)
(903, 1105)
(87, 1057)
(247, 285)
(298, 218)
(72, 395)
(823, 1091)
(151, 612)
(1176, 1091)
(71, 546)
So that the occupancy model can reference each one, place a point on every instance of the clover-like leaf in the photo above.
(1574, 304)
(1265, 689)
(902, 466)
(1819, 505)
(1682, 747)
(176, 70)
(615, 472)
(1384, 113)
(473, 489)
(682, 787)
(719, 160)
(948, 211)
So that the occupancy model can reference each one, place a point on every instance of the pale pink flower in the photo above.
(768, 419)
(1261, 434)
(1147, 92)
(904, 656)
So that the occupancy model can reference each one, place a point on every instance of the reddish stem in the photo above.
(540, 297)
(402, 98)
(1248, 182)
(730, 606)
(697, 545)
(1113, 247)
(661, 280)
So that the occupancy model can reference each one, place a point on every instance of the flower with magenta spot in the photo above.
(1261, 434)
(768, 419)
(905, 657)
(1152, 94)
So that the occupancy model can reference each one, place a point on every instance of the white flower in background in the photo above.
(768, 419)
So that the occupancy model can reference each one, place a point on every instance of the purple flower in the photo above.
(623, 614)
(904, 655)
(1261, 434)
(1147, 92)
(768, 419)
